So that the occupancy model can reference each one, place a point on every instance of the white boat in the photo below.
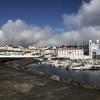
(87, 66)
(78, 67)
(57, 64)
(81, 67)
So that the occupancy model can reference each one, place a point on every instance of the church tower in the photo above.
(94, 49)
(90, 49)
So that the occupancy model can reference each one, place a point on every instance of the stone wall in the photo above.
(17, 62)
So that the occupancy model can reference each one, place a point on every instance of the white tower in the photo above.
(90, 53)
(94, 49)
(97, 43)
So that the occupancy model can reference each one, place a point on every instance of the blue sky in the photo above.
(38, 12)
(49, 22)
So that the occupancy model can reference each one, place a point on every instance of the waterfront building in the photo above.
(71, 53)
(35, 51)
(9, 50)
(50, 50)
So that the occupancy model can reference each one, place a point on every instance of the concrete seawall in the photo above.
(17, 62)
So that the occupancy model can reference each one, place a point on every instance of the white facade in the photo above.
(94, 48)
(9, 50)
(50, 51)
(35, 50)
(74, 53)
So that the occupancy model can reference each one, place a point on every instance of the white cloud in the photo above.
(86, 21)
(85, 24)
(2, 37)
(18, 32)
(88, 15)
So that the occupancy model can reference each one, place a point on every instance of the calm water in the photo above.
(83, 77)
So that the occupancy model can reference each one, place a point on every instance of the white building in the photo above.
(94, 49)
(9, 50)
(71, 53)
(35, 51)
(50, 50)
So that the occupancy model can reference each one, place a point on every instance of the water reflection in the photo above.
(83, 77)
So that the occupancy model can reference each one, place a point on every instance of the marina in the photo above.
(86, 78)
(73, 65)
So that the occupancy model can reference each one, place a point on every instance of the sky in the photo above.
(48, 22)
(38, 12)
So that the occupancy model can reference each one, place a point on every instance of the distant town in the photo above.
(65, 51)
(70, 56)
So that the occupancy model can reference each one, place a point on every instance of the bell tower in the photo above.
(90, 48)
(94, 48)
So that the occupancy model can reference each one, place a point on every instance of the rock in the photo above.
(55, 77)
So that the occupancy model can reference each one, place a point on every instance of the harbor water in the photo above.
(85, 77)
